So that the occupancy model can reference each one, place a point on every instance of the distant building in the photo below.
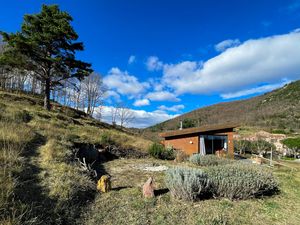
(203, 140)
(276, 139)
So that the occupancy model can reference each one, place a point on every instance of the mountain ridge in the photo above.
(275, 110)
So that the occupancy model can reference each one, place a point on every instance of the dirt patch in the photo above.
(153, 167)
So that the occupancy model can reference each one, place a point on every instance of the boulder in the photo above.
(104, 184)
(148, 188)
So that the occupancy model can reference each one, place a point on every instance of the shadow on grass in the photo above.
(160, 192)
(44, 209)
(120, 188)
(29, 191)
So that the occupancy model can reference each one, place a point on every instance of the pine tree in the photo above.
(48, 43)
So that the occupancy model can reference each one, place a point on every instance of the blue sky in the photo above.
(164, 58)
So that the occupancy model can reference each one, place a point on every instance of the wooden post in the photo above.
(271, 157)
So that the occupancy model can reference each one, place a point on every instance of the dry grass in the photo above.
(57, 190)
(13, 140)
(125, 204)
(60, 175)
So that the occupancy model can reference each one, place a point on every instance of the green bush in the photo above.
(158, 151)
(188, 123)
(186, 183)
(261, 146)
(242, 146)
(241, 181)
(209, 160)
(278, 131)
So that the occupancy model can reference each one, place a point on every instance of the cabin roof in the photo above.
(202, 129)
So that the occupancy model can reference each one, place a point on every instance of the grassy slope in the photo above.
(40, 182)
(279, 109)
(125, 204)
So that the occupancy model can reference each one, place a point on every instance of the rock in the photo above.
(104, 184)
(148, 189)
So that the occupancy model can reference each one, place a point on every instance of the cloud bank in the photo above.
(141, 119)
(265, 60)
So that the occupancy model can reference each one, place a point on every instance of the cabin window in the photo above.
(213, 143)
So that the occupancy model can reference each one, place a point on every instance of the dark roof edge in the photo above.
(206, 128)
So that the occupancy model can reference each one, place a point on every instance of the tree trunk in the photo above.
(47, 95)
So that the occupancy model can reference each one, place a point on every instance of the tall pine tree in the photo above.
(48, 43)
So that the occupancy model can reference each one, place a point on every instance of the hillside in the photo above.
(277, 110)
(43, 179)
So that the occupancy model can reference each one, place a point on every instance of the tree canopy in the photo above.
(47, 46)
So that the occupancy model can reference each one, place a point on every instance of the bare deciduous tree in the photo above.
(125, 114)
(114, 112)
(93, 91)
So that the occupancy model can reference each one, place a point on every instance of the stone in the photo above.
(104, 184)
(148, 188)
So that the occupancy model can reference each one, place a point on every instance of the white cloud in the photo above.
(264, 60)
(131, 59)
(153, 63)
(141, 102)
(141, 119)
(256, 90)
(162, 96)
(124, 84)
(112, 94)
(174, 108)
(223, 45)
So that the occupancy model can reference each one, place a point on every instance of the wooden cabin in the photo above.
(202, 140)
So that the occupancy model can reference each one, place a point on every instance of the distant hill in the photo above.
(277, 111)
